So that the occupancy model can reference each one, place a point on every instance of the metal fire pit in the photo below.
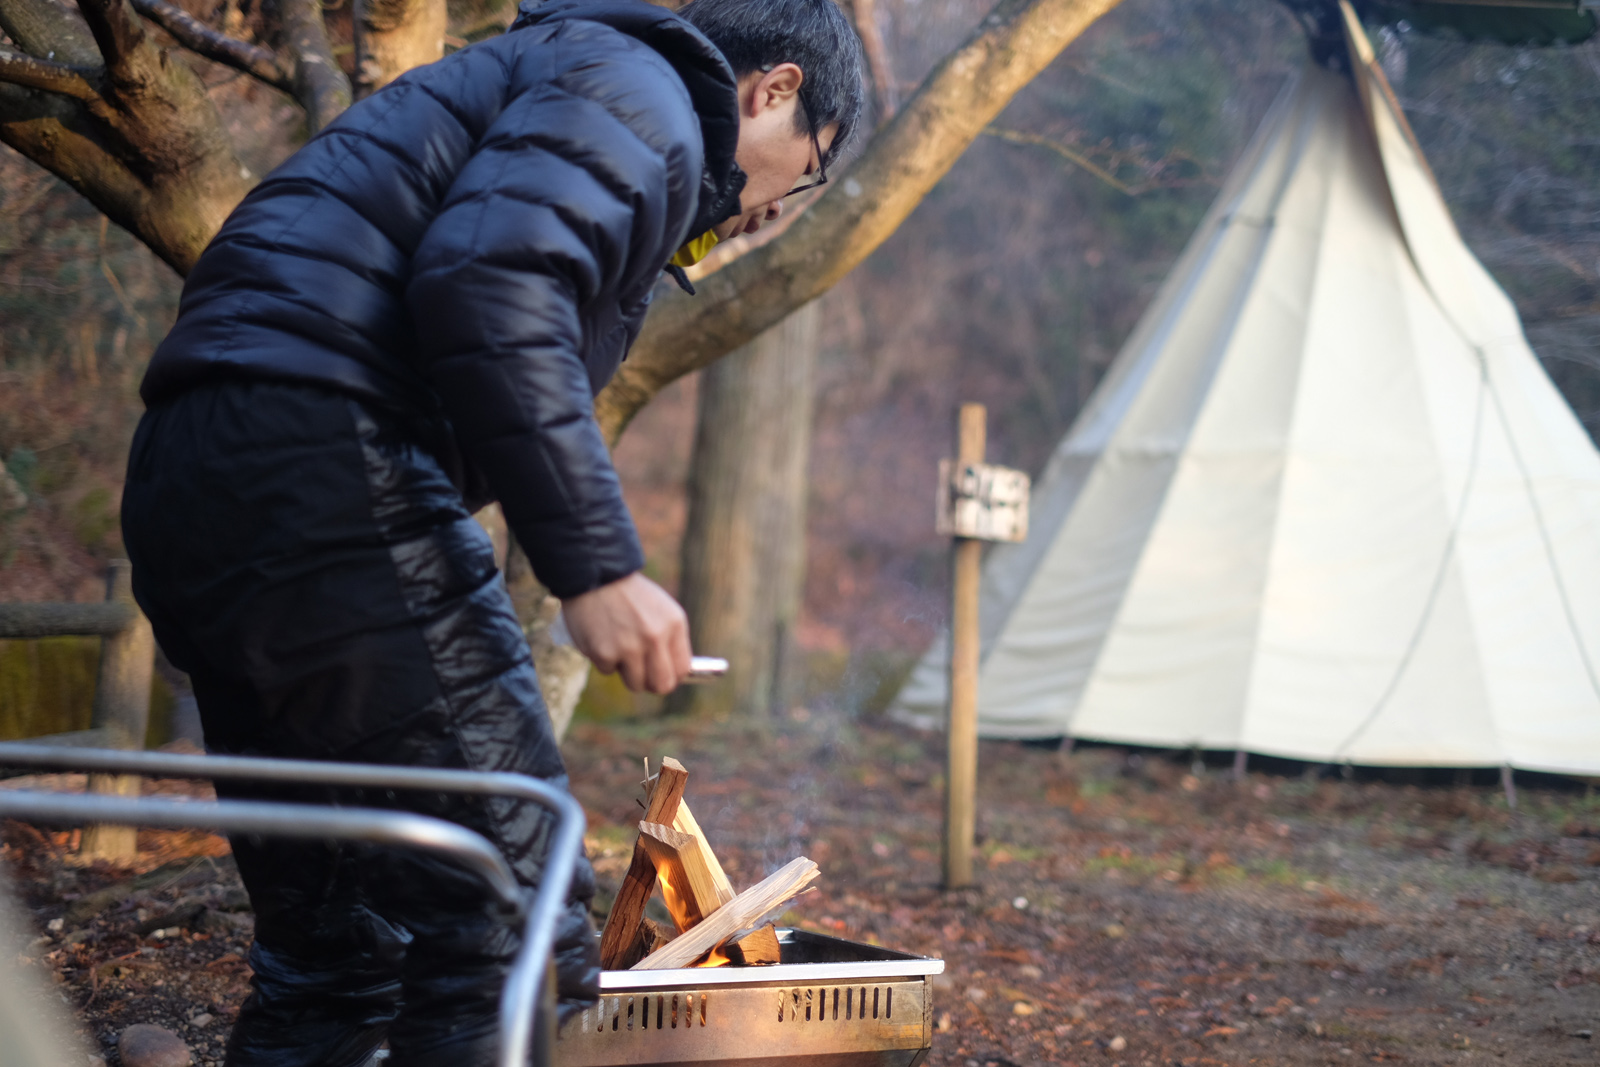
(830, 1003)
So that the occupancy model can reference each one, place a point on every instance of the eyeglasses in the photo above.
(809, 180)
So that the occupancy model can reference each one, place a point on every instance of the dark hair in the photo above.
(812, 34)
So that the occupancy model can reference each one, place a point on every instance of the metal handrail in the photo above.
(276, 819)
(523, 987)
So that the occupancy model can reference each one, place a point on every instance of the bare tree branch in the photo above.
(119, 34)
(877, 59)
(202, 40)
(858, 211)
(49, 30)
(316, 79)
(1067, 152)
(33, 73)
(62, 136)
(145, 144)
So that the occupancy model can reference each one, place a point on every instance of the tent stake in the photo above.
(1509, 785)
(1241, 760)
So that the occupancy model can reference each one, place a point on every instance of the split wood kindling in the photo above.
(714, 924)
(682, 870)
(760, 946)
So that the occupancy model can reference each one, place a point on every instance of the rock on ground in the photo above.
(143, 1045)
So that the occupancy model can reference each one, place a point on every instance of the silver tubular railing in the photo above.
(524, 987)
(275, 819)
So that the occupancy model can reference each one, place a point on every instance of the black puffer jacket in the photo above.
(476, 245)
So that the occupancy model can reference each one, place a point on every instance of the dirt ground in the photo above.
(1130, 911)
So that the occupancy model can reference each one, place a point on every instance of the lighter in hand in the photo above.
(707, 668)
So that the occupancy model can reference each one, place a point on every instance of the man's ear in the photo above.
(775, 88)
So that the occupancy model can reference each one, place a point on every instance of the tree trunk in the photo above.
(99, 104)
(744, 550)
(94, 99)
(392, 36)
(563, 671)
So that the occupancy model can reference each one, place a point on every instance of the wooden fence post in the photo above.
(121, 710)
(961, 768)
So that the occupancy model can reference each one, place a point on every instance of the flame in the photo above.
(684, 915)
(683, 912)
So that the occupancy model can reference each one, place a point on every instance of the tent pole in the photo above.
(1241, 760)
(1509, 785)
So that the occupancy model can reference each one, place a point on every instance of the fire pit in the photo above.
(829, 1003)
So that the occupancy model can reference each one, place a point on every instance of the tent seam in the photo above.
(1440, 573)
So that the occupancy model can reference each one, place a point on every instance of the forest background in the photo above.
(1013, 284)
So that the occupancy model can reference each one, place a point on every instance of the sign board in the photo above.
(982, 501)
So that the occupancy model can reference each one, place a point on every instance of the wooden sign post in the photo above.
(977, 502)
(961, 763)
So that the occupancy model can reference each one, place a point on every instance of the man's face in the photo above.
(774, 150)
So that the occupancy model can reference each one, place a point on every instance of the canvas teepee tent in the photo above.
(1325, 504)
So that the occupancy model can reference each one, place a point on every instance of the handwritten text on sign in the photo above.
(982, 501)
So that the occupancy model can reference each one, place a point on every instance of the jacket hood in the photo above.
(705, 73)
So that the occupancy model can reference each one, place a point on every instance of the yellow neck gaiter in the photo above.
(696, 250)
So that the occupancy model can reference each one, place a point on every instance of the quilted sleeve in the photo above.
(570, 205)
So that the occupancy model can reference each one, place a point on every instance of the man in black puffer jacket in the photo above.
(408, 319)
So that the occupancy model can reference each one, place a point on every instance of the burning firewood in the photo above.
(623, 941)
(656, 934)
(686, 881)
(735, 917)
(684, 822)
(759, 947)
(714, 923)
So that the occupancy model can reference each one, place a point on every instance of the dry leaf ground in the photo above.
(1128, 912)
(1132, 912)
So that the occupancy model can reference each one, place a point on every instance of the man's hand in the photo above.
(633, 626)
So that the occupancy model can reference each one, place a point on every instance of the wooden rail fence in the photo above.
(122, 688)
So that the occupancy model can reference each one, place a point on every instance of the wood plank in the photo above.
(759, 948)
(684, 822)
(680, 860)
(621, 937)
(733, 918)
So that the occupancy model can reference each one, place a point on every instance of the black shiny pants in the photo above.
(308, 562)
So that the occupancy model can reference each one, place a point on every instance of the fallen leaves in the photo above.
(1333, 928)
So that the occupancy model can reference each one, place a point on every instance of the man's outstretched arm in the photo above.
(560, 206)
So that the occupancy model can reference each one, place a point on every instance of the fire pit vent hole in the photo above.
(622, 1014)
(821, 1005)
